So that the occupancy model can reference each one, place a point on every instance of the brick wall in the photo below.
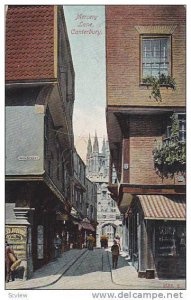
(123, 52)
(143, 132)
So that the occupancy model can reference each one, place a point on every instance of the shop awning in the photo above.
(86, 226)
(160, 207)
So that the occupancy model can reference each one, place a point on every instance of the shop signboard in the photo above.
(16, 236)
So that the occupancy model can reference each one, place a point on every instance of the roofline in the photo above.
(61, 8)
(31, 83)
(55, 41)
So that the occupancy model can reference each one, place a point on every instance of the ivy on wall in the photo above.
(157, 82)
(170, 158)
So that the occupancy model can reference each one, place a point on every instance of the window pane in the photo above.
(182, 124)
(146, 45)
(164, 70)
(155, 46)
(182, 136)
(155, 56)
(155, 70)
(164, 47)
(147, 72)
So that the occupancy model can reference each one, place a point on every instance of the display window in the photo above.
(170, 238)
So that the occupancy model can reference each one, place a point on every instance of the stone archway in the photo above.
(108, 229)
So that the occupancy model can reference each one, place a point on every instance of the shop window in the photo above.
(155, 55)
(170, 239)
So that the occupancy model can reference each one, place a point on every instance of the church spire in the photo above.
(96, 145)
(89, 147)
(103, 146)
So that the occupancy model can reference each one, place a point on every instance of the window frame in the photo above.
(167, 136)
(154, 36)
(182, 118)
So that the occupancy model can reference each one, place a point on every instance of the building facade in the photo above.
(39, 92)
(84, 204)
(97, 171)
(146, 98)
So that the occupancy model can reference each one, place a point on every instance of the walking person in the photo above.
(57, 245)
(117, 238)
(90, 242)
(115, 254)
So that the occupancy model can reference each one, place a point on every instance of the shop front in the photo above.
(157, 235)
(31, 224)
(86, 228)
(170, 251)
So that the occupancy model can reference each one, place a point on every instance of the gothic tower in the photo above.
(88, 156)
(95, 154)
(108, 215)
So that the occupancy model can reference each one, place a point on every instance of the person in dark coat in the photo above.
(90, 242)
(117, 238)
(115, 254)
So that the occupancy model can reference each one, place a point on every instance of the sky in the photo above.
(86, 32)
(89, 111)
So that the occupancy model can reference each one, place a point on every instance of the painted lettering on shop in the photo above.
(15, 234)
(15, 237)
(28, 157)
(20, 247)
(18, 230)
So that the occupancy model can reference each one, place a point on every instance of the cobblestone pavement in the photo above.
(85, 269)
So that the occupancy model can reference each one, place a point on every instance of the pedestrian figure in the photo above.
(11, 263)
(117, 238)
(90, 242)
(115, 254)
(104, 241)
(57, 245)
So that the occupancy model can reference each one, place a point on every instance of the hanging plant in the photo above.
(170, 158)
(157, 82)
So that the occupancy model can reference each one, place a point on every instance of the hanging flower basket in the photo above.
(170, 158)
(156, 82)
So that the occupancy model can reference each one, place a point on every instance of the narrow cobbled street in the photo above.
(95, 149)
(86, 269)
